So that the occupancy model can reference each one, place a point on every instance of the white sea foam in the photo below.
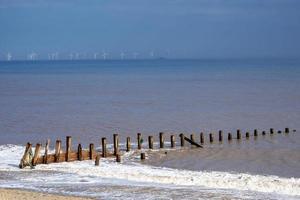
(85, 171)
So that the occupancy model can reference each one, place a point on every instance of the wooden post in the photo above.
(192, 137)
(68, 147)
(181, 135)
(118, 158)
(57, 150)
(91, 152)
(211, 138)
(173, 143)
(97, 161)
(229, 137)
(264, 133)
(28, 147)
(161, 140)
(104, 154)
(255, 132)
(116, 144)
(36, 154)
(201, 138)
(139, 140)
(46, 151)
(271, 130)
(247, 135)
(238, 134)
(80, 152)
(286, 130)
(150, 141)
(128, 144)
(143, 156)
(220, 136)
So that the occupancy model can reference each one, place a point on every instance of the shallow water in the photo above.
(93, 99)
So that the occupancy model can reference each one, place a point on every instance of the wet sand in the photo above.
(10, 194)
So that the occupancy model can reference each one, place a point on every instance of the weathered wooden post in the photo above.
(201, 138)
(128, 144)
(229, 137)
(118, 158)
(139, 140)
(220, 136)
(104, 151)
(271, 131)
(36, 154)
(97, 161)
(46, 151)
(57, 150)
(255, 132)
(286, 130)
(172, 138)
(68, 148)
(181, 135)
(80, 158)
(264, 133)
(25, 155)
(192, 137)
(211, 138)
(150, 141)
(247, 135)
(116, 144)
(238, 134)
(91, 151)
(143, 156)
(161, 140)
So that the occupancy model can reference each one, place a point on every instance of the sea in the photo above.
(91, 99)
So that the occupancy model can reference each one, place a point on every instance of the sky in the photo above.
(169, 28)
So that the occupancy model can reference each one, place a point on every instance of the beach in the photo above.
(11, 194)
(89, 100)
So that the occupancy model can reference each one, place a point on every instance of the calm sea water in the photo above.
(94, 99)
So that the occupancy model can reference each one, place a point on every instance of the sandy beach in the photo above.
(10, 194)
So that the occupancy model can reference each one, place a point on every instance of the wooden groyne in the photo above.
(70, 154)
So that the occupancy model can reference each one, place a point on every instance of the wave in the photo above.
(132, 172)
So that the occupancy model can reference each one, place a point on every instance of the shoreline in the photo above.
(12, 193)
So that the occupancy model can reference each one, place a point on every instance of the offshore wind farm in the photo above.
(138, 99)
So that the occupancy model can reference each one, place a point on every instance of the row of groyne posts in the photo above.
(32, 159)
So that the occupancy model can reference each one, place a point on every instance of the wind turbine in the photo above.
(152, 54)
(135, 54)
(122, 55)
(95, 56)
(104, 55)
(9, 56)
(71, 56)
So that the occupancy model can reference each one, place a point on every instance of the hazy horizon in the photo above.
(172, 29)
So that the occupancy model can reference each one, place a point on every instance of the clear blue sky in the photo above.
(185, 28)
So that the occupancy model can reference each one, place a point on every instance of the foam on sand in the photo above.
(131, 172)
